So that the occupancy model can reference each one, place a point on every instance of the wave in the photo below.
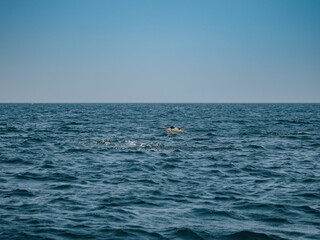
(245, 235)
(129, 233)
(15, 160)
(186, 233)
(17, 192)
(51, 176)
(297, 133)
(254, 146)
(142, 146)
(297, 121)
(207, 212)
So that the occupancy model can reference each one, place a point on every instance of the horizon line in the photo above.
(18, 102)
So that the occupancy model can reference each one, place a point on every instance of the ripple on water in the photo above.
(243, 235)
(105, 171)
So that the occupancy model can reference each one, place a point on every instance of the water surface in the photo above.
(106, 171)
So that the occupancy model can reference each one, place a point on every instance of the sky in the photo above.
(159, 51)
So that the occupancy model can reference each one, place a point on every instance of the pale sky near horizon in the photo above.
(160, 51)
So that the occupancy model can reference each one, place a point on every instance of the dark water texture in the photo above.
(106, 171)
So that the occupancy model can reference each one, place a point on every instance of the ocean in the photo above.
(107, 171)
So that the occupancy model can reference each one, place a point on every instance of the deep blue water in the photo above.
(106, 171)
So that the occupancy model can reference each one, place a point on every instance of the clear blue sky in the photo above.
(159, 51)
